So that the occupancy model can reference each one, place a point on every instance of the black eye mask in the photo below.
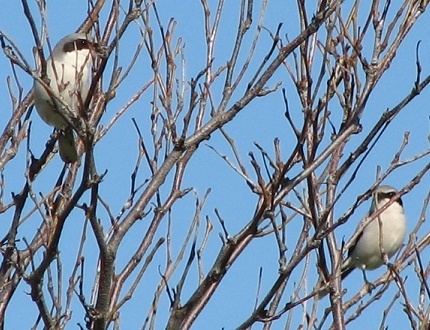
(78, 44)
(389, 195)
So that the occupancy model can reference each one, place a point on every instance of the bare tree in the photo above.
(331, 67)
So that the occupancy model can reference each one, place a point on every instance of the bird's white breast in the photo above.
(69, 75)
(392, 224)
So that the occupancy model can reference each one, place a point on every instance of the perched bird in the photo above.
(370, 245)
(69, 71)
(383, 235)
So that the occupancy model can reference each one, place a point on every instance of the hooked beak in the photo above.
(100, 49)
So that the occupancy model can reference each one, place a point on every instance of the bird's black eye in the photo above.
(389, 195)
(82, 44)
(77, 44)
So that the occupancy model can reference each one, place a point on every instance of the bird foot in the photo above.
(370, 286)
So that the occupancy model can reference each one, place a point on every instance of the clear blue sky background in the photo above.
(261, 122)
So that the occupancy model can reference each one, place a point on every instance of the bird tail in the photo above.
(66, 146)
(344, 272)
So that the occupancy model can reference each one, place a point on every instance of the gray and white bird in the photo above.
(384, 235)
(69, 71)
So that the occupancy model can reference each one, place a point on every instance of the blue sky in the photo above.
(261, 122)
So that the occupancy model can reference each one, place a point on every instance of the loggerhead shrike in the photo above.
(370, 245)
(69, 71)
